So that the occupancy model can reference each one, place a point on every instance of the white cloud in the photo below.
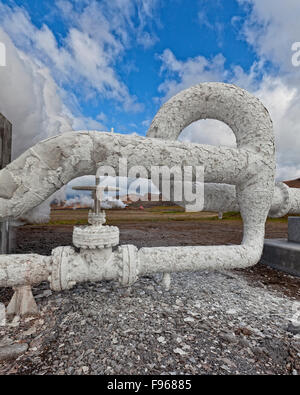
(270, 28)
(209, 132)
(29, 99)
(88, 123)
(283, 104)
(87, 58)
(181, 75)
(85, 62)
(146, 123)
(204, 21)
(216, 26)
(101, 117)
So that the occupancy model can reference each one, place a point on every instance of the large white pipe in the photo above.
(222, 198)
(24, 269)
(294, 201)
(46, 167)
(250, 167)
(65, 267)
(252, 126)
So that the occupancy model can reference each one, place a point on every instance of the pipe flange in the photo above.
(126, 259)
(286, 202)
(93, 237)
(59, 279)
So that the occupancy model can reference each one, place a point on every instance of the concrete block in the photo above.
(294, 229)
(282, 255)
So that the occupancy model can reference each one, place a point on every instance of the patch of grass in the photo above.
(172, 209)
(232, 215)
(153, 214)
(68, 222)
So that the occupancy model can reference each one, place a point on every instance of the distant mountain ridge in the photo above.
(293, 183)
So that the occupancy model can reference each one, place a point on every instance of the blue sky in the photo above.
(179, 28)
(90, 64)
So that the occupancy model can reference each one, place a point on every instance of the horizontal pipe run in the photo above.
(18, 270)
(222, 198)
(50, 164)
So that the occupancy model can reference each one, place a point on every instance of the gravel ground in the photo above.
(233, 322)
(208, 323)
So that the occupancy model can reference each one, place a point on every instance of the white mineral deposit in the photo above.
(240, 178)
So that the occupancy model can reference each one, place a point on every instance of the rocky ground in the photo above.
(208, 323)
(233, 322)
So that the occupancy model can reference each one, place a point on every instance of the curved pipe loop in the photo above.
(49, 165)
(252, 126)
